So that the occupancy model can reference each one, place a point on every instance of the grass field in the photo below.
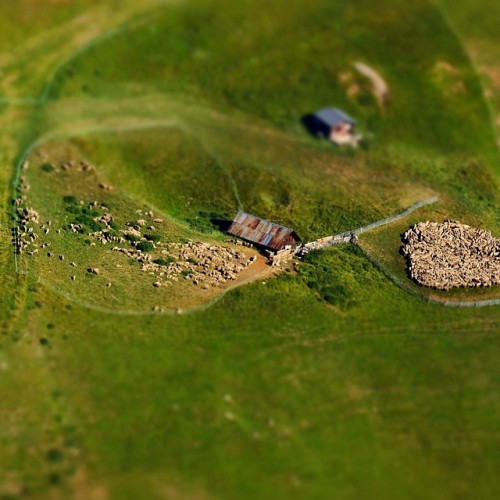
(282, 81)
(480, 39)
(324, 380)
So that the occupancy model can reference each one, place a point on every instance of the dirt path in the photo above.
(260, 270)
(42, 55)
(380, 89)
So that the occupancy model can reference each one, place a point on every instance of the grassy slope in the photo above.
(182, 179)
(311, 400)
(202, 66)
(280, 66)
(480, 36)
(271, 392)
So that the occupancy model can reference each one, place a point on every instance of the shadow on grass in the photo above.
(222, 225)
(315, 127)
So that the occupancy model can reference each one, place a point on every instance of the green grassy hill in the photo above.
(325, 380)
(475, 23)
(283, 61)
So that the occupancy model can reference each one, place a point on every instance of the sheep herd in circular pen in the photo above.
(451, 255)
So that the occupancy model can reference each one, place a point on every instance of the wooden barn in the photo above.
(277, 242)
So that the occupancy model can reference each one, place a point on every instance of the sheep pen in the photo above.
(451, 255)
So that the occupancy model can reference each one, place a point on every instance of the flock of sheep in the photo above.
(203, 264)
(451, 255)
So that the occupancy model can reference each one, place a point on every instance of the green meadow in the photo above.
(327, 379)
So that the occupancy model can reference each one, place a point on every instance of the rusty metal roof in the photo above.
(262, 232)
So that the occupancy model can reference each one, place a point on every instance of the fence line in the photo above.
(416, 293)
(351, 235)
(388, 220)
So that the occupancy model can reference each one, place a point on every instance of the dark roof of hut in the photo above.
(262, 232)
(333, 117)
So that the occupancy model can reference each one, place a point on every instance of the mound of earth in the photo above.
(452, 255)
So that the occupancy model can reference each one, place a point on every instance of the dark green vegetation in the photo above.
(325, 382)
(337, 284)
